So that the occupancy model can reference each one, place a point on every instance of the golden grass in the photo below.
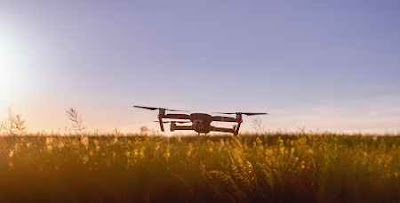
(248, 168)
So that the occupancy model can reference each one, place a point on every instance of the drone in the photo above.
(200, 122)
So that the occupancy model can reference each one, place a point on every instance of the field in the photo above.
(248, 168)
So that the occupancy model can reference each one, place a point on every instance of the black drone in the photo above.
(200, 122)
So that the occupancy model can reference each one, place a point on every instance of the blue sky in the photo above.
(331, 65)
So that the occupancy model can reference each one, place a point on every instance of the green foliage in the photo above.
(306, 168)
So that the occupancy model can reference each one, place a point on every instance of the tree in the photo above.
(14, 125)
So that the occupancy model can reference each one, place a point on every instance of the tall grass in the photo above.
(277, 168)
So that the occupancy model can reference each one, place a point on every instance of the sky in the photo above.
(313, 65)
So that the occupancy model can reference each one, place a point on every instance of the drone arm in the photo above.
(171, 116)
(176, 116)
(161, 123)
(239, 121)
(175, 127)
(237, 128)
(224, 119)
(219, 129)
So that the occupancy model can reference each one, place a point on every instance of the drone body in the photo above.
(200, 122)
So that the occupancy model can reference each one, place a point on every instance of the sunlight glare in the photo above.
(8, 72)
(5, 87)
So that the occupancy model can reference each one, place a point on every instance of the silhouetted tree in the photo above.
(14, 125)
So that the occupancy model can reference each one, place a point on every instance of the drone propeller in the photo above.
(243, 113)
(155, 108)
(180, 122)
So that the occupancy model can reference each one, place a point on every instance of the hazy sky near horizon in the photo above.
(318, 65)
